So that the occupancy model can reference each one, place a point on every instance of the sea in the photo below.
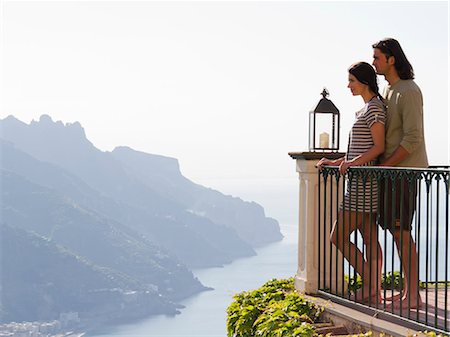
(204, 315)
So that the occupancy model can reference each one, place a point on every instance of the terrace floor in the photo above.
(434, 311)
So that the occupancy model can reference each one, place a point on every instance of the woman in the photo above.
(358, 210)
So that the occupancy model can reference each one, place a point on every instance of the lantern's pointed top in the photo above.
(325, 105)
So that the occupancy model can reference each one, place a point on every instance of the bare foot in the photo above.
(373, 298)
(406, 304)
(396, 297)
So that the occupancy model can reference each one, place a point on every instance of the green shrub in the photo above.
(392, 280)
(354, 283)
(273, 310)
(387, 281)
(431, 284)
(432, 334)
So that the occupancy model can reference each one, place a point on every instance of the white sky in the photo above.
(225, 87)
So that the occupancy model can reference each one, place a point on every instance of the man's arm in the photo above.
(397, 157)
(412, 118)
(411, 106)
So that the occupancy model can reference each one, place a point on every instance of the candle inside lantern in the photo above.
(324, 140)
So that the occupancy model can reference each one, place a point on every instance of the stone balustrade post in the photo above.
(307, 277)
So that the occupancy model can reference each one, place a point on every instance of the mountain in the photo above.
(88, 234)
(246, 218)
(197, 241)
(67, 147)
(124, 215)
(150, 182)
(40, 280)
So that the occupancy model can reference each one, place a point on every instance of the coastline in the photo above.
(205, 314)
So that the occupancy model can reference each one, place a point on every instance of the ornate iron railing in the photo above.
(410, 209)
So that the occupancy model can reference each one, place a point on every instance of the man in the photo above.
(405, 147)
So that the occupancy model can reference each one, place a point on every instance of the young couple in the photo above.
(388, 131)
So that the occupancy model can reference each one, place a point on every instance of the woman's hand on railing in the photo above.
(325, 161)
(322, 162)
(343, 168)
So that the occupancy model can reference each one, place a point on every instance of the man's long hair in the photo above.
(391, 47)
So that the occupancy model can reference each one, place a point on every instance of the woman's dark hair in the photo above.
(365, 73)
(391, 47)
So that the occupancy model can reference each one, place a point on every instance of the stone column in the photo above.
(307, 278)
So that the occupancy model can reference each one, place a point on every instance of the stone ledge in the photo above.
(316, 155)
(358, 322)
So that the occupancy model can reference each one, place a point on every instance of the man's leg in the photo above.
(407, 252)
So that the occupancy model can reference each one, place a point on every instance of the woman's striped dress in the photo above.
(362, 196)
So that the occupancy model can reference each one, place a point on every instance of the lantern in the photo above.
(324, 126)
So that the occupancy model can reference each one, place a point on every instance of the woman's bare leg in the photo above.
(346, 223)
(372, 277)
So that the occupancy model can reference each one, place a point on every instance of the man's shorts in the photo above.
(397, 203)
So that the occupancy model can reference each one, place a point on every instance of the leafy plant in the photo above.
(429, 284)
(392, 280)
(431, 334)
(388, 281)
(273, 310)
(354, 283)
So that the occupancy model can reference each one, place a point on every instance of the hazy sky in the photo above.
(225, 87)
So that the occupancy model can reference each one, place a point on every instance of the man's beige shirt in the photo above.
(404, 123)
